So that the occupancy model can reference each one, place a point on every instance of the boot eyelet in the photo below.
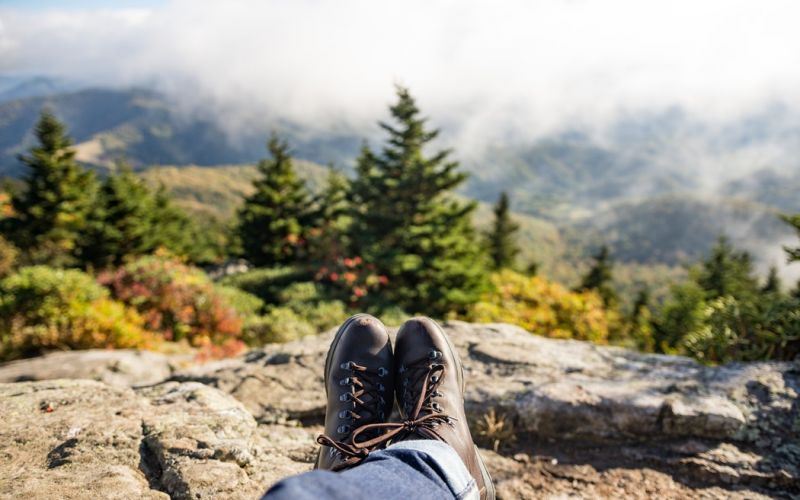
(434, 354)
(343, 429)
(344, 414)
(345, 397)
(382, 371)
(435, 378)
(345, 365)
(345, 381)
(437, 407)
(381, 387)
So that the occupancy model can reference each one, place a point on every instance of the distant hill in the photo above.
(142, 127)
(218, 191)
(18, 87)
(659, 188)
(560, 177)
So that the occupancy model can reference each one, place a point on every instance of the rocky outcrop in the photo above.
(556, 417)
(117, 368)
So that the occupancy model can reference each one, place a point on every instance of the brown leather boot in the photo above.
(359, 384)
(430, 394)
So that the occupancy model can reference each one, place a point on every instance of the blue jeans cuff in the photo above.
(454, 472)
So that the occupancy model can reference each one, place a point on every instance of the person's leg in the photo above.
(409, 469)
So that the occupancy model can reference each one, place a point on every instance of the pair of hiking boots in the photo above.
(362, 377)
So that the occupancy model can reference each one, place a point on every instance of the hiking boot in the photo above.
(359, 374)
(430, 394)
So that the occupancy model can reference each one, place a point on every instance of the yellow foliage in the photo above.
(44, 309)
(542, 307)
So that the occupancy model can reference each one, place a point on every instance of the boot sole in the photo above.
(487, 478)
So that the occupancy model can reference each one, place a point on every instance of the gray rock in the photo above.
(120, 368)
(568, 419)
(81, 438)
(553, 388)
(71, 439)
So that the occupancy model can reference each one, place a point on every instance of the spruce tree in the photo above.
(793, 254)
(274, 219)
(124, 222)
(641, 321)
(727, 272)
(501, 239)
(327, 237)
(174, 230)
(52, 212)
(773, 282)
(600, 276)
(407, 223)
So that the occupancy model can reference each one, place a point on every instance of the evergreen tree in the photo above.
(641, 321)
(501, 239)
(52, 212)
(274, 220)
(727, 272)
(407, 223)
(641, 301)
(327, 240)
(600, 276)
(794, 221)
(124, 222)
(178, 233)
(773, 282)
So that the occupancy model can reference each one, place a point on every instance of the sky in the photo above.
(485, 71)
(510, 68)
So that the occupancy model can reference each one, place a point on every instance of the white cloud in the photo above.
(516, 67)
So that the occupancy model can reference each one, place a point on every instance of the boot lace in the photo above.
(421, 381)
(363, 403)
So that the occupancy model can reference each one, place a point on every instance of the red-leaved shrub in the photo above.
(178, 301)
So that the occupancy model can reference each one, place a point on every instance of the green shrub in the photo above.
(734, 330)
(8, 257)
(393, 316)
(266, 283)
(307, 301)
(280, 324)
(43, 309)
(301, 311)
(246, 304)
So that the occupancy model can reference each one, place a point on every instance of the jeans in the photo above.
(410, 469)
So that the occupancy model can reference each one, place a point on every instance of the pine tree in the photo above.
(327, 237)
(501, 239)
(727, 272)
(641, 321)
(124, 222)
(600, 276)
(181, 235)
(793, 254)
(773, 282)
(274, 220)
(407, 223)
(52, 212)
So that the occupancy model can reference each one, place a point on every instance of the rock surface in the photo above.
(565, 419)
(118, 368)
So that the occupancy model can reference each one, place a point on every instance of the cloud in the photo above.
(484, 69)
